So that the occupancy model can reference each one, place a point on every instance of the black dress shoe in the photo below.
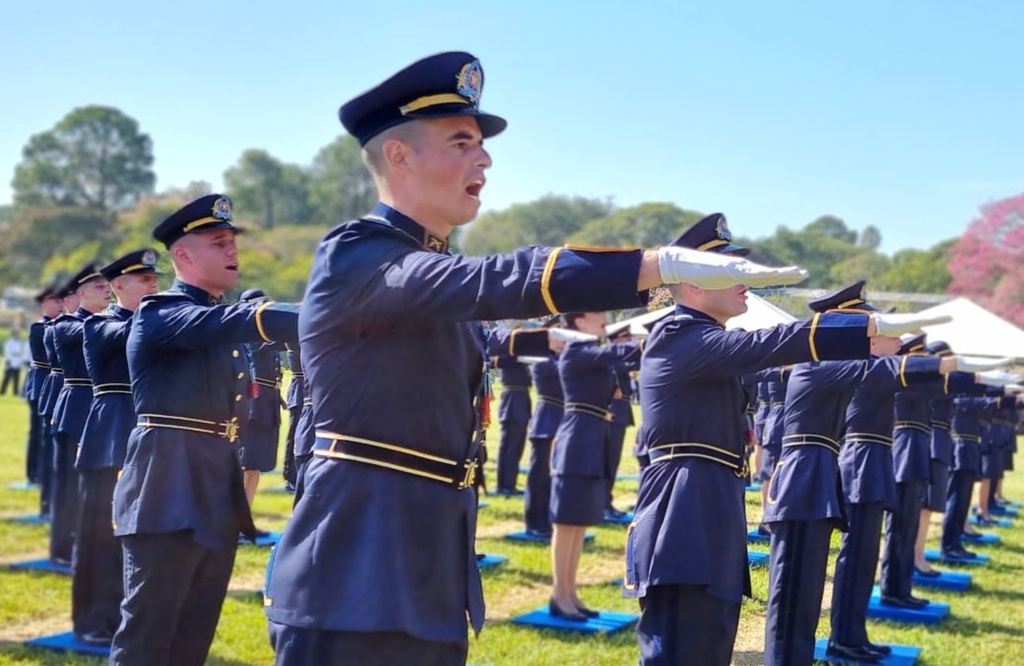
(587, 612)
(762, 530)
(540, 534)
(918, 600)
(881, 650)
(95, 638)
(572, 616)
(958, 554)
(901, 602)
(931, 573)
(859, 653)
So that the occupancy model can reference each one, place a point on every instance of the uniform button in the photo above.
(238, 398)
(241, 374)
(234, 352)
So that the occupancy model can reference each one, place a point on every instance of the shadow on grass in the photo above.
(622, 638)
(966, 626)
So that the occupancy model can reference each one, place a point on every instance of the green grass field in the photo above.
(985, 627)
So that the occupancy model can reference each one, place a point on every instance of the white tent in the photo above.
(760, 314)
(976, 331)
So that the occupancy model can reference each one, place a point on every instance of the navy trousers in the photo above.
(900, 540)
(855, 574)
(174, 590)
(295, 646)
(958, 503)
(511, 443)
(34, 443)
(796, 583)
(683, 625)
(63, 499)
(538, 485)
(45, 467)
(97, 581)
(289, 469)
(613, 453)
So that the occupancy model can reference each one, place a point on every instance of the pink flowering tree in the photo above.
(987, 263)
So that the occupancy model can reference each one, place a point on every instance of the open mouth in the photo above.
(232, 267)
(474, 188)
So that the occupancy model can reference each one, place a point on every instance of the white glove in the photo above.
(1012, 389)
(895, 325)
(989, 377)
(530, 360)
(709, 270)
(569, 335)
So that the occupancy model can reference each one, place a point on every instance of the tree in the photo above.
(36, 235)
(818, 247)
(549, 220)
(266, 190)
(340, 187)
(95, 157)
(922, 271)
(866, 264)
(870, 237)
(833, 227)
(987, 262)
(646, 225)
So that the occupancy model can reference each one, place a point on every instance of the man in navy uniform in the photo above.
(514, 417)
(261, 429)
(96, 584)
(72, 407)
(68, 294)
(180, 503)
(293, 403)
(804, 502)
(377, 564)
(49, 307)
(547, 415)
(622, 417)
(686, 557)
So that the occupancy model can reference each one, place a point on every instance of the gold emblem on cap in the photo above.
(470, 81)
(222, 209)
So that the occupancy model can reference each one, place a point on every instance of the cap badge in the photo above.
(222, 209)
(722, 229)
(470, 82)
(149, 258)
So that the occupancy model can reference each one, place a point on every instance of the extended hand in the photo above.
(709, 270)
(895, 325)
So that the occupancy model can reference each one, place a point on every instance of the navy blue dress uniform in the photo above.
(869, 487)
(547, 416)
(38, 370)
(776, 380)
(940, 415)
(293, 403)
(305, 433)
(514, 417)
(622, 416)
(967, 433)
(392, 498)
(69, 413)
(48, 393)
(97, 587)
(686, 551)
(580, 469)
(179, 503)
(761, 408)
(261, 428)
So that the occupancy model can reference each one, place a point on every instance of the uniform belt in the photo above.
(797, 439)
(776, 404)
(968, 438)
(107, 389)
(585, 408)
(298, 374)
(512, 387)
(867, 438)
(77, 382)
(551, 401)
(454, 473)
(57, 371)
(914, 425)
(734, 461)
(941, 425)
(307, 402)
(40, 364)
(226, 429)
(269, 383)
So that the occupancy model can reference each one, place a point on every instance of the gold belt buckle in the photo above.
(744, 470)
(467, 480)
(231, 428)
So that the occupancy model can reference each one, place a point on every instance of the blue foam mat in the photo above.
(491, 561)
(45, 564)
(753, 536)
(754, 487)
(22, 485)
(264, 541)
(952, 581)
(933, 613)
(31, 519)
(521, 535)
(278, 490)
(482, 505)
(627, 477)
(902, 655)
(66, 642)
(626, 519)
(1000, 522)
(1003, 511)
(606, 622)
(757, 558)
(982, 539)
(935, 555)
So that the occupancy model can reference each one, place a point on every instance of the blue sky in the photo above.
(905, 115)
